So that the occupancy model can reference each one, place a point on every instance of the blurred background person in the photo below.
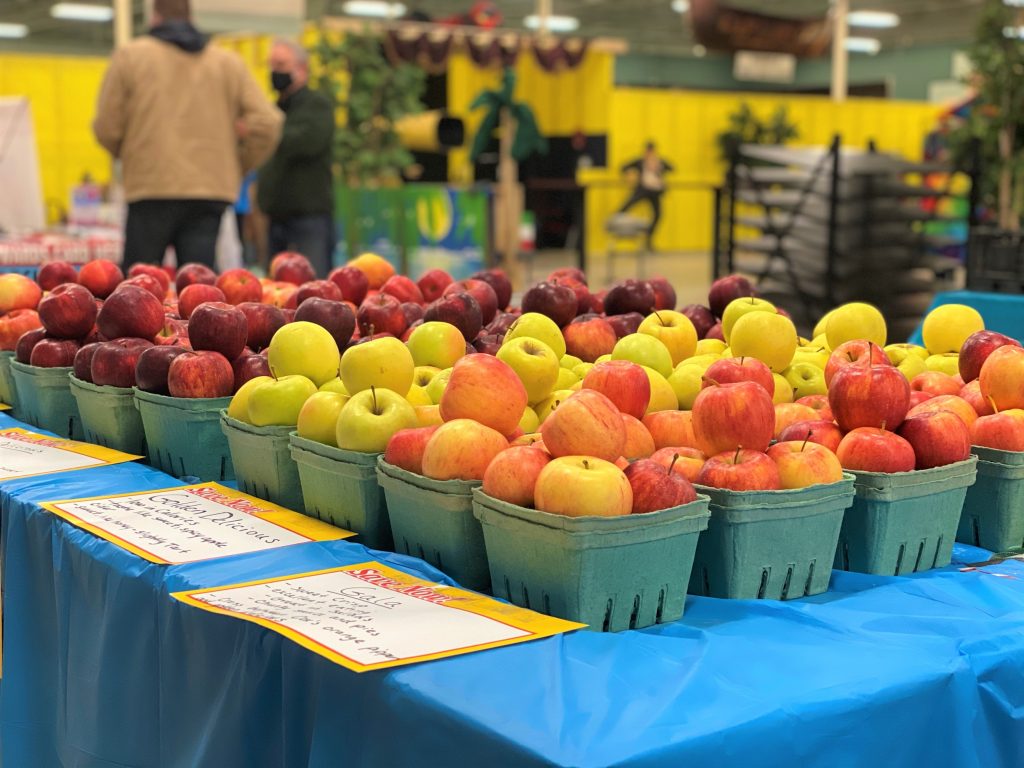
(650, 173)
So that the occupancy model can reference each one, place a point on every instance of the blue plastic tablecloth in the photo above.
(103, 668)
(1003, 312)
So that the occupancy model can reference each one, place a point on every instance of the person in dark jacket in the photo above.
(295, 186)
(650, 185)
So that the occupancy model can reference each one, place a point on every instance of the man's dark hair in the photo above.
(172, 10)
(650, 146)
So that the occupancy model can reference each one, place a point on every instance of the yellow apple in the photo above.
(535, 363)
(569, 361)
(566, 379)
(767, 336)
(384, 363)
(417, 395)
(805, 379)
(436, 344)
(318, 419)
(642, 349)
(663, 397)
(816, 356)
(428, 415)
(674, 330)
(335, 385)
(603, 359)
(946, 328)
(305, 349)
(686, 381)
(897, 353)
(238, 408)
(437, 385)
(534, 325)
(530, 421)
(705, 346)
(821, 326)
(702, 361)
(583, 486)
(582, 370)
(370, 417)
(783, 391)
(948, 363)
(277, 403)
(821, 340)
(855, 320)
(738, 308)
(424, 374)
(544, 408)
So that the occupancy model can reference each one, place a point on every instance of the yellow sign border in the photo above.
(537, 625)
(108, 456)
(295, 522)
(4, 407)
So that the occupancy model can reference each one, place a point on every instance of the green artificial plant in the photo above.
(374, 94)
(528, 138)
(745, 127)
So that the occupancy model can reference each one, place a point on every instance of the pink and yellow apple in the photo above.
(583, 486)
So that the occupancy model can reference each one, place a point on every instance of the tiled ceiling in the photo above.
(649, 26)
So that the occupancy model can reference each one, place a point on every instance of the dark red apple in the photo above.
(730, 370)
(336, 316)
(413, 312)
(582, 294)
(200, 374)
(150, 283)
(290, 267)
(655, 487)
(218, 327)
(381, 313)
(114, 362)
(554, 300)
(353, 283)
(54, 353)
(321, 289)
(498, 280)
(131, 311)
(101, 277)
(190, 274)
(458, 309)
(664, 293)
(977, 348)
(54, 273)
(701, 317)
(625, 324)
(818, 431)
(194, 295)
(152, 368)
(403, 289)
(26, 342)
(589, 336)
(68, 311)
(248, 366)
(82, 364)
(715, 332)
(630, 296)
(488, 344)
(727, 289)
(573, 273)
(157, 273)
(597, 302)
(482, 292)
(262, 321)
(432, 284)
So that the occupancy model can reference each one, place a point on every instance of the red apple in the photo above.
(487, 344)
(972, 394)
(68, 312)
(218, 327)
(868, 449)
(381, 314)
(977, 348)
(938, 438)
(498, 280)
(682, 459)
(150, 283)
(727, 289)
(405, 448)
(113, 362)
(787, 414)
(353, 283)
(291, 267)
(501, 323)
(153, 366)
(626, 324)
(1002, 378)
(701, 318)
(951, 403)
(14, 324)
(597, 302)
(715, 332)
(935, 383)
(54, 273)
(195, 294)
(101, 277)
(432, 284)
(553, 300)
(639, 443)
(482, 292)
(321, 289)
(740, 470)
(731, 416)
(157, 273)
(82, 364)
(852, 352)
(240, 285)
(916, 398)
(458, 309)
(588, 337)
(825, 433)
(585, 424)
(656, 487)
(262, 322)
(487, 390)
(664, 293)
(626, 384)
(413, 312)
(573, 273)
(512, 474)
(581, 291)
(200, 374)
(730, 370)
(190, 274)
(866, 395)
(403, 289)
(248, 366)
(818, 403)
(803, 463)
(630, 296)
(54, 353)
(131, 311)
(26, 342)
(671, 428)
(1003, 431)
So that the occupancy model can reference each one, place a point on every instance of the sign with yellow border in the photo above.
(192, 523)
(369, 616)
(4, 407)
(27, 454)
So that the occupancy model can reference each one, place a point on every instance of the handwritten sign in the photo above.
(369, 616)
(196, 522)
(27, 454)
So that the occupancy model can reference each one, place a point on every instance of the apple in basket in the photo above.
(461, 449)
(114, 362)
(512, 474)
(1003, 431)
(976, 350)
(869, 449)
(803, 463)
(938, 438)
(656, 486)
(68, 312)
(583, 486)
(371, 417)
(200, 375)
(741, 470)
(153, 367)
(729, 416)
(406, 448)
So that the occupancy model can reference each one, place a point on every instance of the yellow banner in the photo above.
(369, 616)
(192, 523)
(27, 454)
(4, 407)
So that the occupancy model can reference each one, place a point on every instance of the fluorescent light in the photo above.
(863, 45)
(873, 19)
(555, 23)
(13, 31)
(81, 12)
(682, 6)
(374, 8)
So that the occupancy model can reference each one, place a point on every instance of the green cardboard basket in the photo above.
(433, 520)
(45, 399)
(904, 522)
(263, 464)
(611, 573)
(775, 545)
(993, 515)
(341, 488)
(183, 435)
(109, 416)
(8, 392)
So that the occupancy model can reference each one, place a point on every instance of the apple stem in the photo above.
(586, 464)
(992, 402)
(806, 440)
(709, 380)
(736, 458)
(883, 425)
(373, 394)
(675, 458)
(659, 317)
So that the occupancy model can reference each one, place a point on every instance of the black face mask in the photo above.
(281, 81)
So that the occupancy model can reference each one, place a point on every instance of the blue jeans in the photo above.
(312, 236)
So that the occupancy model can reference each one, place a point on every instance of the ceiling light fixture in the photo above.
(13, 31)
(555, 23)
(867, 45)
(873, 19)
(81, 12)
(378, 9)
(682, 6)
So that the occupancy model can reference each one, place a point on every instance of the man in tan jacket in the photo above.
(187, 120)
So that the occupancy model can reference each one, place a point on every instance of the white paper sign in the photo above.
(22, 458)
(184, 525)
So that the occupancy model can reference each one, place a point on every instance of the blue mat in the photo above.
(103, 668)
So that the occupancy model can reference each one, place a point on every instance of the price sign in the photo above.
(26, 454)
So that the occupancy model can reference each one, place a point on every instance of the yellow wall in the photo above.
(685, 124)
(62, 91)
